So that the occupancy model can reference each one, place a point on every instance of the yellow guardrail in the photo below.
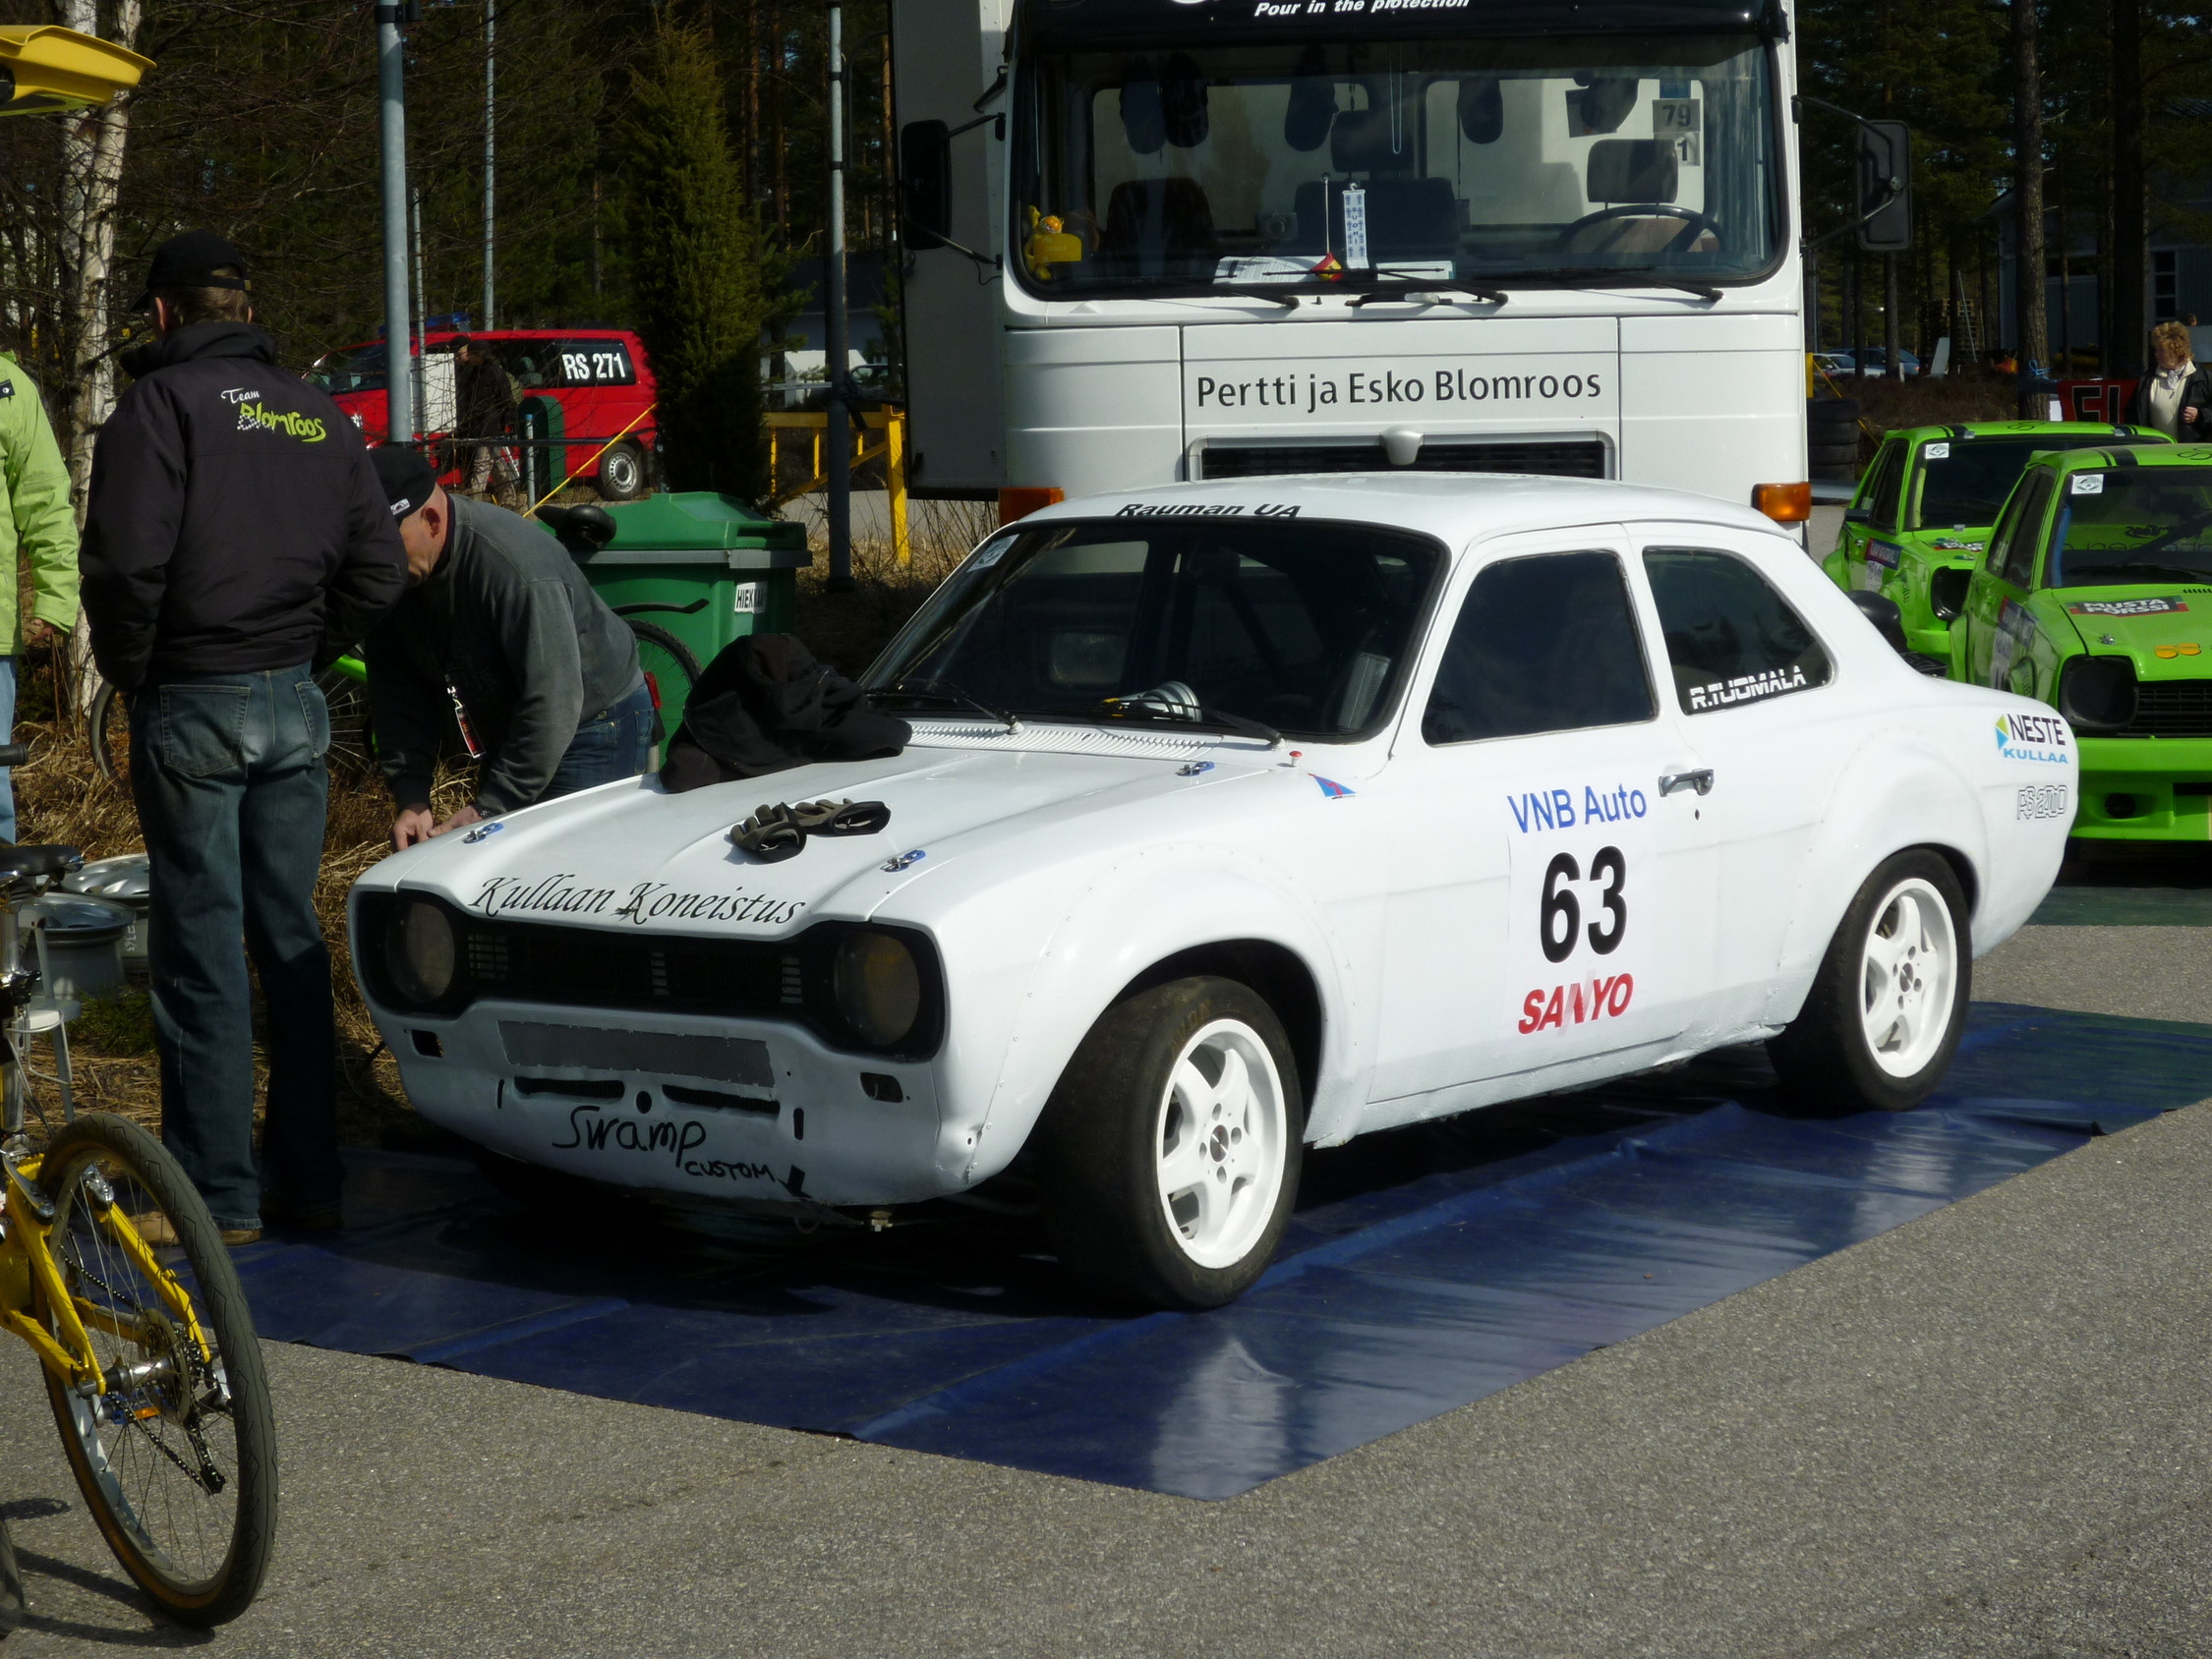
(879, 434)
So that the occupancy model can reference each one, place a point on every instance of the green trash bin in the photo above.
(690, 573)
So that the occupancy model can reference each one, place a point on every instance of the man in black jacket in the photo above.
(500, 651)
(235, 536)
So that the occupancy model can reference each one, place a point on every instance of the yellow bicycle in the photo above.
(114, 1273)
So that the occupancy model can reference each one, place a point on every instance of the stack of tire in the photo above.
(1832, 432)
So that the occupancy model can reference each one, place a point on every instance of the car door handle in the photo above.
(1701, 780)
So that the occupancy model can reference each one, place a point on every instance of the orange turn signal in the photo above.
(1026, 498)
(1785, 504)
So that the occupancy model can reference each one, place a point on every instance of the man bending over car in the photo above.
(501, 652)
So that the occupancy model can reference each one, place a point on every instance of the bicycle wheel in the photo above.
(670, 670)
(353, 744)
(107, 725)
(177, 1461)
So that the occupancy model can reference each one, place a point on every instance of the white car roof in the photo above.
(1454, 507)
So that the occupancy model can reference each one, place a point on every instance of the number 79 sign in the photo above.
(1583, 859)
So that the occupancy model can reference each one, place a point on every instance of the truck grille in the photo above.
(1567, 458)
(2171, 708)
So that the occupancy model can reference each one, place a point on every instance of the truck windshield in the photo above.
(1305, 628)
(1576, 161)
(2144, 525)
(1963, 486)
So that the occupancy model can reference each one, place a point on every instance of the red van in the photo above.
(598, 376)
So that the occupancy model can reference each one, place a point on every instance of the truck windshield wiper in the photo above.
(945, 694)
(1188, 714)
(1620, 279)
(1414, 290)
(1272, 297)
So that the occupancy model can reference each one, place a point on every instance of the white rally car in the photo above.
(1240, 816)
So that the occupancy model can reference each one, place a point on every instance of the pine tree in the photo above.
(696, 284)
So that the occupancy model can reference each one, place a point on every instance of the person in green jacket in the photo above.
(38, 522)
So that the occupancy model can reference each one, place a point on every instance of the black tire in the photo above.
(671, 671)
(107, 727)
(1107, 1133)
(13, 1606)
(622, 473)
(200, 1551)
(1827, 1056)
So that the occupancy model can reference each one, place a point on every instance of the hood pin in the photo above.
(892, 866)
(1193, 768)
(482, 831)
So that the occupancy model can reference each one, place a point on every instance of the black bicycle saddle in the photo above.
(582, 529)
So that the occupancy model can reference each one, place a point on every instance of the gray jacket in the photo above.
(509, 621)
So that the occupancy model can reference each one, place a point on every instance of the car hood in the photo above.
(2144, 622)
(631, 855)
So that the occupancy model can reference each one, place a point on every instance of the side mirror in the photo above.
(1858, 515)
(1882, 181)
(1947, 593)
(1881, 610)
(926, 183)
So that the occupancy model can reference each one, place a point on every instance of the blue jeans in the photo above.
(609, 746)
(231, 790)
(7, 735)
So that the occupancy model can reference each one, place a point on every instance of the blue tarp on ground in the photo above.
(1425, 1267)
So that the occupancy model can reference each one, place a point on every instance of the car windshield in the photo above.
(1573, 160)
(358, 370)
(1963, 482)
(1304, 628)
(2141, 524)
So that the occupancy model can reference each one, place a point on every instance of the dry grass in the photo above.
(848, 630)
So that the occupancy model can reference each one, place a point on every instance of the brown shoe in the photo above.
(154, 1227)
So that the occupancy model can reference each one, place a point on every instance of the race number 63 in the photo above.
(1580, 852)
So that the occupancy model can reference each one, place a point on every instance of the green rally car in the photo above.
(1917, 527)
(2096, 596)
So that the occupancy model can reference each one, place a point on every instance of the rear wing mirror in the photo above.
(1858, 515)
(926, 183)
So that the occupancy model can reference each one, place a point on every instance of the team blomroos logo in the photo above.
(1747, 688)
(2032, 737)
(256, 415)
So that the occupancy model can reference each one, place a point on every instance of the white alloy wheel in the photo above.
(1221, 1135)
(1908, 975)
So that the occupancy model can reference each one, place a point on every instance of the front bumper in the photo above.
(749, 1110)
(2145, 789)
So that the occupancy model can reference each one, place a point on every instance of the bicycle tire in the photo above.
(109, 737)
(670, 669)
(353, 740)
(214, 1576)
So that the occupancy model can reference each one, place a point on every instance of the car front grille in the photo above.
(1561, 458)
(2171, 708)
(584, 967)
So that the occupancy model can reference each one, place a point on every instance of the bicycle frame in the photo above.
(28, 1271)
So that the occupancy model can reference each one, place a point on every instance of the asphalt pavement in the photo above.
(1986, 1432)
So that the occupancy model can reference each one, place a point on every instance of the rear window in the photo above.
(1964, 481)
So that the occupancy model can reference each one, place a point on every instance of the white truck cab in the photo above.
(1151, 241)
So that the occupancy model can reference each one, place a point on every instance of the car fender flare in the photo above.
(1142, 908)
(1890, 797)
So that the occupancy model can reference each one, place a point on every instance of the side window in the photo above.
(2020, 550)
(1543, 644)
(1730, 637)
(595, 363)
(1884, 503)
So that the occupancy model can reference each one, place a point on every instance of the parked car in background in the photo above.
(2096, 597)
(1240, 815)
(596, 378)
(1875, 360)
(1920, 521)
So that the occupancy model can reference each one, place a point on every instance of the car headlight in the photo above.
(2098, 693)
(419, 952)
(878, 986)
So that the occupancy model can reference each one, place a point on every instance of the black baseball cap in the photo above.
(406, 477)
(198, 258)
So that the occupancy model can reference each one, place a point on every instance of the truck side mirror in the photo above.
(1883, 180)
(926, 183)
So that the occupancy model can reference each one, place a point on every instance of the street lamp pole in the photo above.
(490, 85)
(391, 88)
(840, 434)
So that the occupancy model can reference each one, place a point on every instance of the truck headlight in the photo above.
(419, 952)
(878, 986)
